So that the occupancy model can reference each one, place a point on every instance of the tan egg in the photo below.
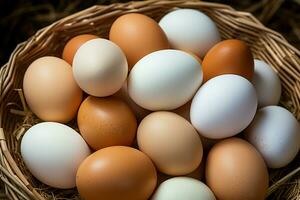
(196, 174)
(137, 35)
(115, 173)
(50, 90)
(235, 170)
(106, 122)
(171, 142)
(73, 45)
(228, 57)
(139, 112)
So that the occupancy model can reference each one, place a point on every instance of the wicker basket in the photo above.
(15, 117)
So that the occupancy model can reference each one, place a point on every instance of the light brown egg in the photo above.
(171, 142)
(137, 35)
(228, 57)
(73, 45)
(50, 90)
(106, 122)
(196, 174)
(116, 173)
(236, 171)
(139, 112)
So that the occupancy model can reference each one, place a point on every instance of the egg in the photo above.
(275, 133)
(53, 152)
(198, 174)
(164, 80)
(223, 106)
(139, 112)
(50, 89)
(235, 170)
(73, 45)
(115, 173)
(228, 57)
(191, 30)
(180, 188)
(100, 67)
(171, 142)
(137, 35)
(266, 83)
(106, 122)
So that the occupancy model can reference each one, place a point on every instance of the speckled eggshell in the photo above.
(106, 122)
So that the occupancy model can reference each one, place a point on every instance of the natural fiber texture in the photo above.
(16, 118)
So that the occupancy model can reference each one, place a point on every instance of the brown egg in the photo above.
(139, 112)
(137, 35)
(50, 90)
(236, 171)
(106, 122)
(171, 142)
(116, 173)
(73, 45)
(228, 57)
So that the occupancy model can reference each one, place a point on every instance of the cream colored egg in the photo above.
(100, 67)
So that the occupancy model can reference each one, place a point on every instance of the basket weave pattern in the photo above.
(16, 118)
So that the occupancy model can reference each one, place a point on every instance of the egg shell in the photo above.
(100, 67)
(235, 170)
(164, 80)
(171, 142)
(275, 133)
(180, 188)
(53, 152)
(223, 106)
(115, 173)
(266, 83)
(50, 89)
(106, 122)
(228, 57)
(190, 30)
(73, 45)
(197, 174)
(137, 35)
(139, 112)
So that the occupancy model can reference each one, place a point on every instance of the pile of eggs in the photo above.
(157, 105)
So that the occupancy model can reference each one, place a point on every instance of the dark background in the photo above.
(20, 19)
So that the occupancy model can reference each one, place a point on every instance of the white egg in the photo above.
(52, 152)
(190, 30)
(223, 106)
(164, 80)
(181, 188)
(266, 83)
(275, 133)
(100, 67)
